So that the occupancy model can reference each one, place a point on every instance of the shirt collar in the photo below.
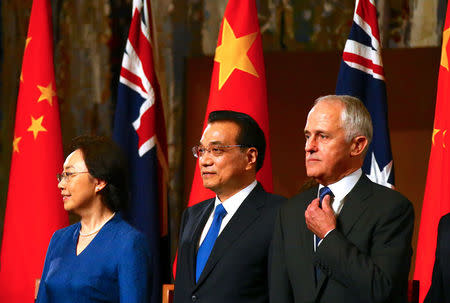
(232, 204)
(342, 187)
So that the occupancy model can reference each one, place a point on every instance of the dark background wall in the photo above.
(295, 79)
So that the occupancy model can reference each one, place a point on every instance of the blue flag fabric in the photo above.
(139, 128)
(362, 75)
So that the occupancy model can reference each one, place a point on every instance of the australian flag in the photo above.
(139, 128)
(362, 75)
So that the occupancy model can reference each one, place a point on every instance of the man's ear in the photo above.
(252, 156)
(358, 146)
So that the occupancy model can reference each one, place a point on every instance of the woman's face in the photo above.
(78, 187)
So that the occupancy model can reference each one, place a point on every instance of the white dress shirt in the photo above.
(231, 205)
(340, 189)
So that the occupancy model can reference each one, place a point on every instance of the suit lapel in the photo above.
(323, 277)
(307, 241)
(354, 205)
(200, 218)
(246, 214)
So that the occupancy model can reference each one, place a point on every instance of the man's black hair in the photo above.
(250, 134)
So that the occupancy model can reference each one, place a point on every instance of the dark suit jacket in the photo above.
(365, 259)
(440, 290)
(236, 270)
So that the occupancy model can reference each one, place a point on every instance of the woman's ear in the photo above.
(100, 185)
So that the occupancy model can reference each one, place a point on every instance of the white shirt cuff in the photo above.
(324, 237)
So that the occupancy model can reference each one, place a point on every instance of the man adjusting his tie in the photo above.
(347, 239)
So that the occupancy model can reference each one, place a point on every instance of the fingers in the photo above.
(314, 204)
(320, 220)
(312, 207)
(326, 204)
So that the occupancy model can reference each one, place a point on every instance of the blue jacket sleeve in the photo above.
(135, 271)
(42, 296)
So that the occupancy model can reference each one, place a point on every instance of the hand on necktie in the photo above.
(320, 220)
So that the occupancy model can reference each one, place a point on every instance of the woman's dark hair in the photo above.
(250, 134)
(105, 161)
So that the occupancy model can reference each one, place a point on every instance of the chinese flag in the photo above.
(34, 208)
(238, 81)
(436, 201)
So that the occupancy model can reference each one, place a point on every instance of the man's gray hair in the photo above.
(355, 117)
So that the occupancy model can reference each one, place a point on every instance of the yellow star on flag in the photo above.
(435, 131)
(232, 53)
(36, 126)
(16, 143)
(47, 93)
(444, 55)
(26, 44)
(443, 137)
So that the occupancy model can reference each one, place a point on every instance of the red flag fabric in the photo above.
(34, 208)
(238, 81)
(436, 201)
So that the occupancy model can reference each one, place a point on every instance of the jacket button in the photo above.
(194, 298)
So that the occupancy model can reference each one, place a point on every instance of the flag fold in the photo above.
(34, 207)
(139, 128)
(362, 75)
(238, 81)
(436, 201)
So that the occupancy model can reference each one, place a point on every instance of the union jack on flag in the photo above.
(139, 128)
(362, 75)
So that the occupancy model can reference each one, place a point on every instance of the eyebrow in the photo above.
(317, 131)
(213, 143)
(67, 167)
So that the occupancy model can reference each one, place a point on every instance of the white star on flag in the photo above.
(380, 176)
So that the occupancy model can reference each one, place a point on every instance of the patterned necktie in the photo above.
(206, 247)
(322, 193)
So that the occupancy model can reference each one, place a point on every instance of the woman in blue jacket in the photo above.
(101, 258)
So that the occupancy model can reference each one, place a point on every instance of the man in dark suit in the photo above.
(439, 291)
(347, 239)
(224, 242)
